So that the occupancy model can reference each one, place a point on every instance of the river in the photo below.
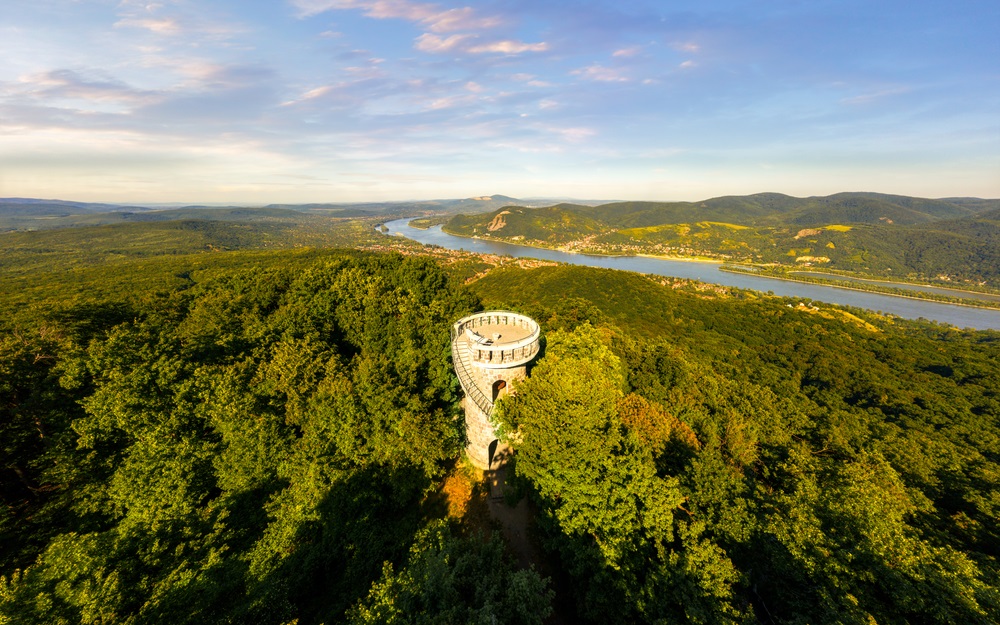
(959, 316)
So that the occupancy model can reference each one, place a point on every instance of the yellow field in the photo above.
(638, 233)
(705, 224)
(838, 228)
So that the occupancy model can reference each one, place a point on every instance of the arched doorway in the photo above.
(499, 389)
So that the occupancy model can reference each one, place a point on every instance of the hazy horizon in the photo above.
(595, 201)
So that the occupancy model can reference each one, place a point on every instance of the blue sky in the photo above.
(349, 100)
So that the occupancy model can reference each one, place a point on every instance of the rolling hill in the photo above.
(865, 233)
(771, 209)
(38, 214)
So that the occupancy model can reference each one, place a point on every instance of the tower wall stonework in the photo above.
(488, 347)
(478, 425)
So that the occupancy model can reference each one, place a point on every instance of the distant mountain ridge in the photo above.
(32, 213)
(477, 204)
(761, 209)
(774, 208)
(31, 207)
(570, 218)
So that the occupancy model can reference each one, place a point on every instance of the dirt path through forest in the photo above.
(517, 524)
(514, 521)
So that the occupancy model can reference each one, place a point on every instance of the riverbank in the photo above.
(862, 287)
(976, 292)
(424, 223)
(683, 259)
(563, 250)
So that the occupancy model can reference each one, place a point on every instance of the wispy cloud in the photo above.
(214, 100)
(162, 26)
(573, 134)
(686, 46)
(627, 52)
(452, 102)
(67, 84)
(530, 79)
(436, 45)
(600, 73)
(430, 16)
(461, 19)
(868, 98)
(466, 24)
(312, 94)
(174, 19)
(508, 46)
(383, 8)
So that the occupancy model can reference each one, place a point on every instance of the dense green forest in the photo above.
(952, 241)
(193, 434)
(842, 469)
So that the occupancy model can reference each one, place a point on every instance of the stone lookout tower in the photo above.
(491, 351)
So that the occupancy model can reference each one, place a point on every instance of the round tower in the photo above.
(491, 351)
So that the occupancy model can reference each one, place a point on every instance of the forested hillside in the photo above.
(769, 209)
(251, 449)
(872, 234)
(725, 459)
(211, 436)
(32, 217)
